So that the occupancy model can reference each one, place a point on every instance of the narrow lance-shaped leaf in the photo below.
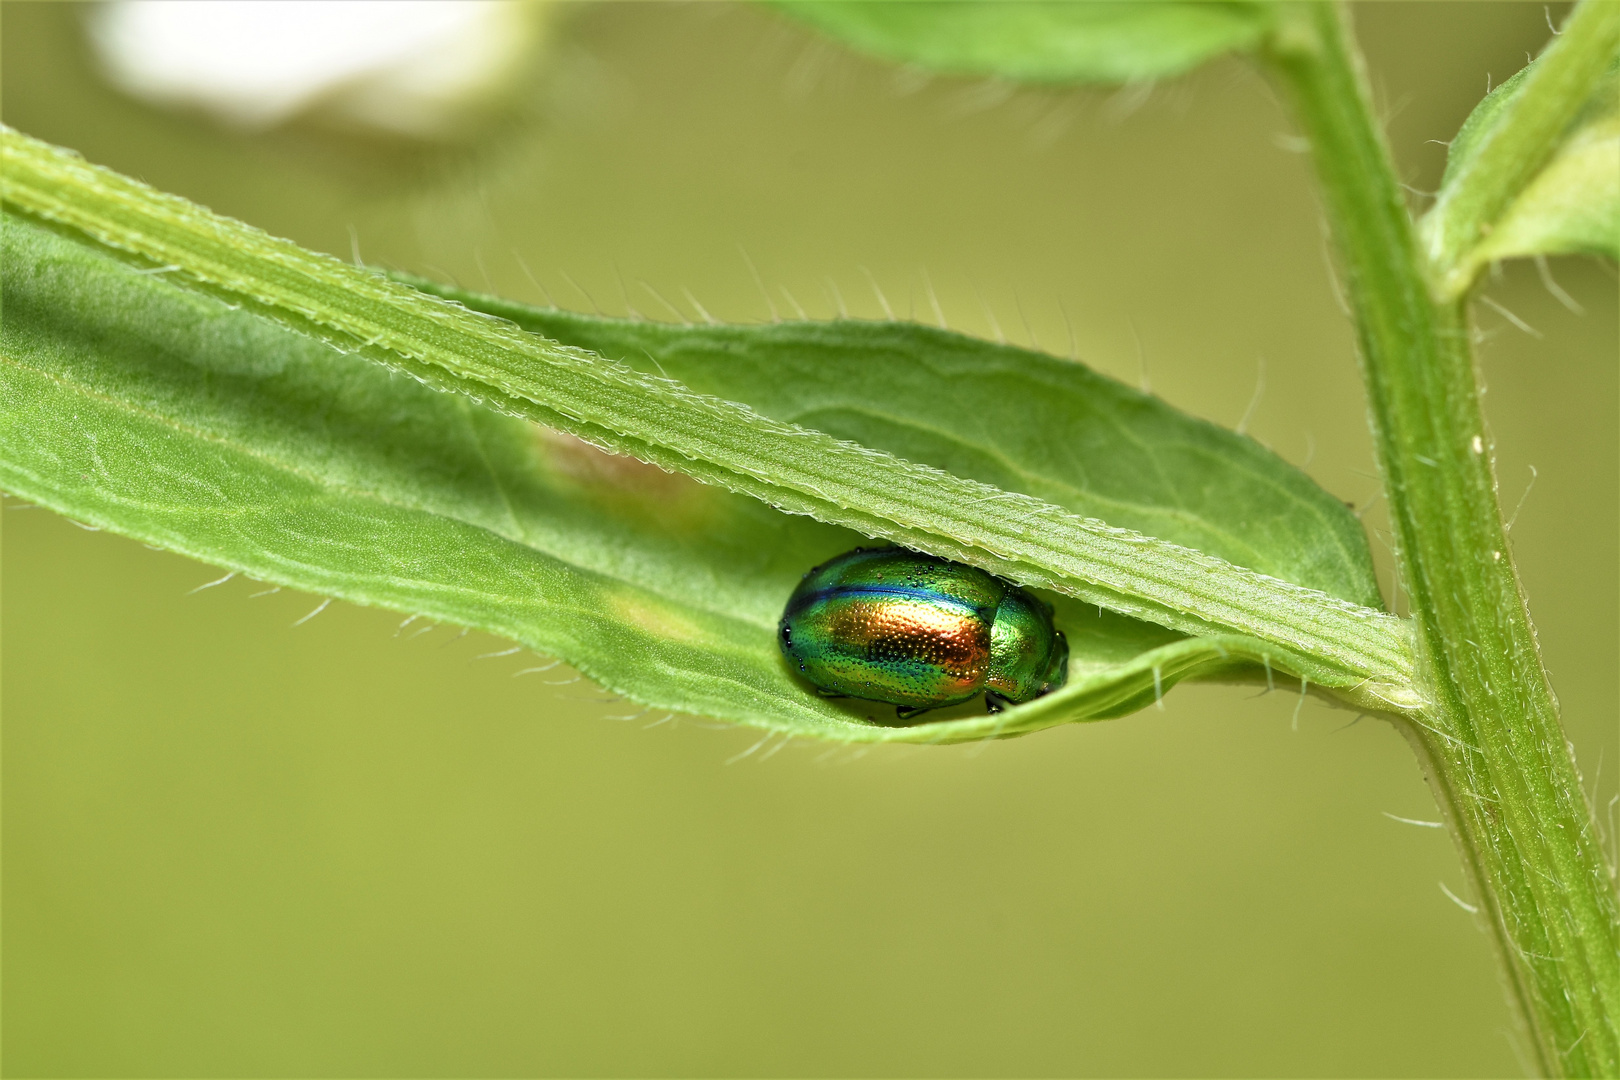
(1535, 169)
(167, 415)
(1572, 207)
(1333, 642)
(1104, 41)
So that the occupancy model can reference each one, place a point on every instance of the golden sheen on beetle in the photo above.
(887, 624)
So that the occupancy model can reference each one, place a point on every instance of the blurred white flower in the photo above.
(417, 68)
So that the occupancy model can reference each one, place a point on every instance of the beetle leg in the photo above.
(994, 702)
(830, 694)
(906, 712)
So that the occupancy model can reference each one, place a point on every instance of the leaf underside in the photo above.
(1013, 418)
(1571, 203)
(170, 416)
(1360, 651)
(1572, 206)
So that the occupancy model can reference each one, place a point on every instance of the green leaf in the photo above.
(1017, 419)
(1331, 642)
(1104, 41)
(148, 409)
(1535, 169)
(1573, 204)
(153, 411)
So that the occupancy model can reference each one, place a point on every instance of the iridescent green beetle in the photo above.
(893, 625)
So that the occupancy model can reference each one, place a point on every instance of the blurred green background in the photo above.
(233, 846)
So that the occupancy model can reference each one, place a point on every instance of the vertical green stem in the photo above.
(1491, 740)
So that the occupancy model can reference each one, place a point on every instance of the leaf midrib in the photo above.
(797, 470)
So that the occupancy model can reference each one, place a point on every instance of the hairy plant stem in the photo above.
(1491, 741)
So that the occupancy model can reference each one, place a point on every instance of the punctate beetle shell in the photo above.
(918, 632)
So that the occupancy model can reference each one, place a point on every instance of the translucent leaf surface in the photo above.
(1023, 421)
(1334, 642)
(1535, 169)
(1098, 42)
(166, 415)
(1573, 204)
